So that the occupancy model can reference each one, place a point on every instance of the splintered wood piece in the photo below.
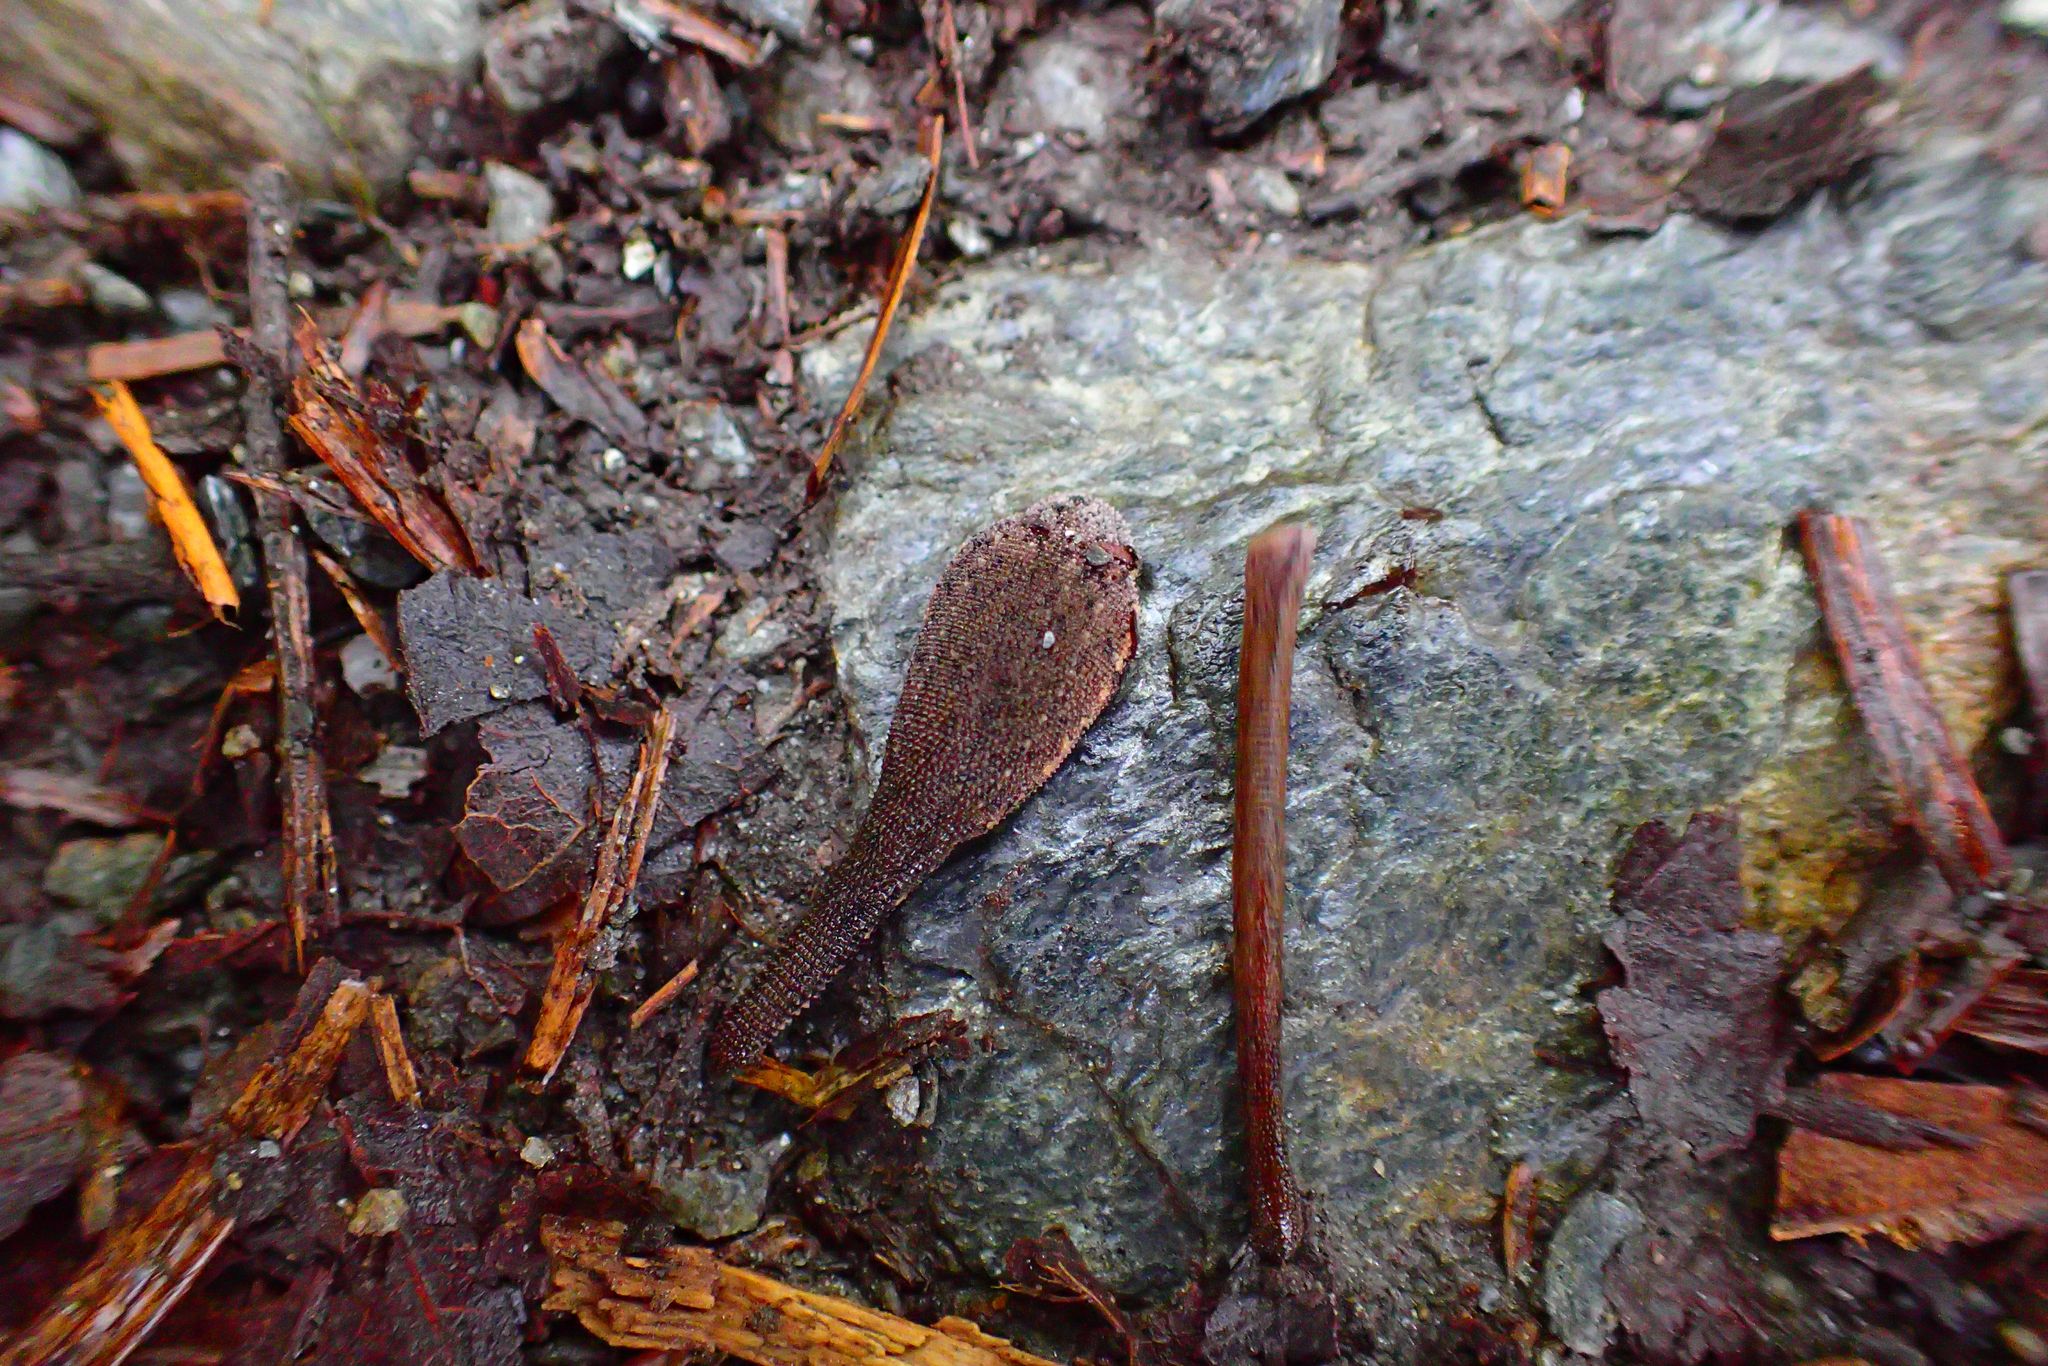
(683, 1299)
(574, 976)
(397, 1063)
(899, 280)
(154, 357)
(311, 882)
(191, 541)
(1929, 1195)
(1024, 642)
(2013, 1013)
(367, 617)
(325, 413)
(145, 1266)
(1275, 570)
(158, 357)
(1882, 667)
(861, 1069)
(40, 789)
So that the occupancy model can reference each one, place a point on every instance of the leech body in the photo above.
(1275, 569)
(1023, 644)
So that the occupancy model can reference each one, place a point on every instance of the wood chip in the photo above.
(683, 1299)
(397, 1063)
(689, 25)
(191, 540)
(1932, 1195)
(573, 978)
(899, 280)
(41, 789)
(145, 1266)
(582, 393)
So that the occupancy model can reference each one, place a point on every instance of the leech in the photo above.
(1023, 644)
(1275, 568)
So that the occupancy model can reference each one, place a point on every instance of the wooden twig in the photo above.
(899, 280)
(1275, 570)
(191, 541)
(397, 1063)
(574, 976)
(667, 992)
(144, 1267)
(309, 870)
(1882, 667)
(684, 1299)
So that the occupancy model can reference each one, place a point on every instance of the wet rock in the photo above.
(191, 92)
(1250, 55)
(542, 53)
(1078, 81)
(101, 876)
(1553, 599)
(32, 176)
(790, 18)
(721, 1194)
(800, 88)
(1575, 1270)
(522, 206)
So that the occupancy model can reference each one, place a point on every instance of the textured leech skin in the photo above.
(1275, 569)
(1023, 644)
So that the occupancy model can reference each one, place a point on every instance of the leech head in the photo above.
(1022, 646)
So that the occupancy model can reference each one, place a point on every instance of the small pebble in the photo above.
(537, 1152)
(1046, 641)
(380, 1213)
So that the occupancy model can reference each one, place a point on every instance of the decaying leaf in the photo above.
(1932, 1195)
(1051, 1267)
(1697, 1023)
(530, 823)
(584, 394)
(683, 1299)
(352, 429)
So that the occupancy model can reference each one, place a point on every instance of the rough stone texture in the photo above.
(1251, 55)
(191, 92)
(1597, 621)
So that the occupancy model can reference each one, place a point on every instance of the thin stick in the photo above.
(390, 1039)
(1275, 569)
(899, 280)
(574, 977)
(1882, 667)
(309, 871)
(651, 1007)
(191, 541)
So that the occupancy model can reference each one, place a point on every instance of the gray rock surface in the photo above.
(1553, 599)
(1252, 55)
(190, 92)
(32, 176)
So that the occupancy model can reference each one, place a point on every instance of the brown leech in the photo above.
(1275, 568)
(1023, 644)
